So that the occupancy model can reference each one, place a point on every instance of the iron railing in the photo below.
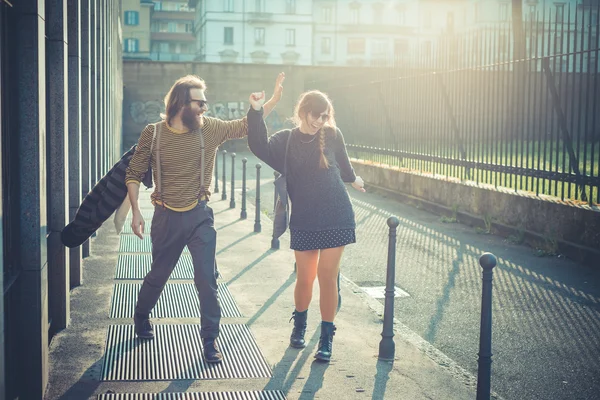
(475, 114)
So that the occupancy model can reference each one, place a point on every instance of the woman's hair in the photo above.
(179, 95)
(316, 102)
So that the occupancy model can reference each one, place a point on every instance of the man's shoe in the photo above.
(212, 354)
(143, 327)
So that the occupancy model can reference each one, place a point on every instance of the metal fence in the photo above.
(474, 114)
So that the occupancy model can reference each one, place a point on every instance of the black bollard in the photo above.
(387, 348)
(217, 171)
(274, 240)
(257, 211)
(243, 214)
(484, 372)
(224, 186)
(232, 192)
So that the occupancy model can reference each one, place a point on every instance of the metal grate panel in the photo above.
(254, 395)
(178, 300)
(176, 354)
(136, 266)
(133, 244)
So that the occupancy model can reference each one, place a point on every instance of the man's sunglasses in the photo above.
(317, 116)
(201, 103)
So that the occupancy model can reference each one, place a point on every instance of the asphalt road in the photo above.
(546, 310)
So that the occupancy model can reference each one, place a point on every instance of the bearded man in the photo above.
(181, 150)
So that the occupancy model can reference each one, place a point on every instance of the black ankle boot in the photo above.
(325, 342)
(297, 338)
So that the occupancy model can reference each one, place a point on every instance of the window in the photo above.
(503, 45)
(427, 20)
(164, 47)
(356, 46)
(172, 27)
(401, 8)
(450, 22)
(132, 45)
(228, 35)
(533, 12)
(503, 11)
(326, 45)
(132, 18)
(326, 14)
(400, 48)
(259, 6)
(427, 49)
(228, 6)
(377, 14)
(157, 5)
(259, 36)
(560, 12)
(290, 37)
(379, 48)
(558, 44)
(290, 6)
(355, 15)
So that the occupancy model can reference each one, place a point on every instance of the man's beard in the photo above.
(190, 119)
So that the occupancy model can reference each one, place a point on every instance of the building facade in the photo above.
(158, 30)
(254, 31)
(135, 19)
(60, 130)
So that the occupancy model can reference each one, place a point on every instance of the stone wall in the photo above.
(544, 222)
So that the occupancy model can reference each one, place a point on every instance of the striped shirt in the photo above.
(180, 158)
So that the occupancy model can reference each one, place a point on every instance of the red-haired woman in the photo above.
(322, 219)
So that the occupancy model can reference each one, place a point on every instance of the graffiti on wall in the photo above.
(147, 112)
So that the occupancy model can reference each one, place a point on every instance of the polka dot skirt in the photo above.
(308, 240)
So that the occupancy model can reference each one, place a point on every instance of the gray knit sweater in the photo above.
(319, 197)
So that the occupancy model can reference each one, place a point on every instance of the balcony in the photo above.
(259, 17)
(377, 29)
(183, 57)
(173, 37)
(173, 15)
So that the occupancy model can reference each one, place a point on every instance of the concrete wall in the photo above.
(229, 86)
(544, 222)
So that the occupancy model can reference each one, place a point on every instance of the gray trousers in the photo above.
(171, 232)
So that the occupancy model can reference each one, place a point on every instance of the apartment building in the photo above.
(171, 31)
(136, 28)
(254, 31)
(158, 30)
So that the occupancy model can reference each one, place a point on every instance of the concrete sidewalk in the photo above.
(261, 283)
